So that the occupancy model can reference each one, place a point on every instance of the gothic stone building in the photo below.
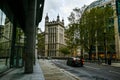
(54, 37)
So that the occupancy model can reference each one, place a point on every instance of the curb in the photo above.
(6, 72)
(110, 65)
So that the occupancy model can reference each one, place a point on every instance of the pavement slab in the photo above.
(18, 74)
(52, 72)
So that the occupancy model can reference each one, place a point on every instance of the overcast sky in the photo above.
(61, 7)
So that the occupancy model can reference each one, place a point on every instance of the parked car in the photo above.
(75, 61)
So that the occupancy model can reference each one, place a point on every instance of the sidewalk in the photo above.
(113, 64)
(43, 70)
(18, 74)
(52, 72)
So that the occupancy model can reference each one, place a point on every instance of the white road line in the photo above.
(114, 72)
(92, 67)
(70, 74)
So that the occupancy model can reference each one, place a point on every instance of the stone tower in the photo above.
(54, 37)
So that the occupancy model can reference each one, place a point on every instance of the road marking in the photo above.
(114, 72)
(70, 74)
(92, 67)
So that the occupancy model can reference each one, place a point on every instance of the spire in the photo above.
(47, 18)
(58, 18)
(63, 21)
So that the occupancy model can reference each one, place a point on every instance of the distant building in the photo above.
(7, 30)
(99, 3)
(54, 37)
(5, 40)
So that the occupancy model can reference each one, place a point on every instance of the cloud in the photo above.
(61, 7)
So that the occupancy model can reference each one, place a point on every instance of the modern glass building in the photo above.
(118, 13)
(98, 3)
(7, 59)
(5, 42)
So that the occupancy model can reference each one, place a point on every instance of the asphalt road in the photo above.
(91, 71)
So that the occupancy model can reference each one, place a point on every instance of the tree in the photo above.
(64, 50)
(41, 43)
(73, 33)
(95, 22)
(89, 27)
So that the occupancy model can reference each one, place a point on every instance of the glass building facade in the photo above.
(118, 13)
(9, 58)
(5, 40)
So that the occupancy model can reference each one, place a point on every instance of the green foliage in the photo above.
(64, 50)
(41, 43)
(94, 25)
(73, 31)
(19, 37)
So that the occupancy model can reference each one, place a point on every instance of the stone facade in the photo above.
(54, 37)
(5, 40)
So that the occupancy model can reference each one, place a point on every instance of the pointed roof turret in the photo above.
(63, 21)
(58, 18)
(47, 18)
